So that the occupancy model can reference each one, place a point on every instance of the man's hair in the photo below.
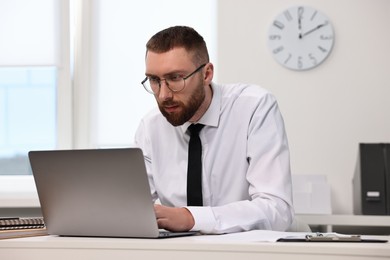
(180, 37)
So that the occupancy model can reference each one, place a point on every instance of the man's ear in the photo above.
(209, 73)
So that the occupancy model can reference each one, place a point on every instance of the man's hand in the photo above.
(174, 219)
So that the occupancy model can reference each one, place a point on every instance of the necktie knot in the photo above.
(195, 129)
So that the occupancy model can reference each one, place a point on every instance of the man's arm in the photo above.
(268, 175)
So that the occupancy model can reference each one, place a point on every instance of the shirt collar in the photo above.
(211, 117)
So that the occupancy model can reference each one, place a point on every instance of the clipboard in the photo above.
(320, 237)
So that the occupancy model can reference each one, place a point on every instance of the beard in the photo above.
(187, 110)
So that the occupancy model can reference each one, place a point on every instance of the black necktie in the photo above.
(194, 170)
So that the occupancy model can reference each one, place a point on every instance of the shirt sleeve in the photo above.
(269, 177)
(143, 142)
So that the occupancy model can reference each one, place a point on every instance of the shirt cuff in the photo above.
(204, 219)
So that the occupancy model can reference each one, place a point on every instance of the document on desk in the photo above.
(248, 236)
(277, 236)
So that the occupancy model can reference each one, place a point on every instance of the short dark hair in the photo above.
(180, 36)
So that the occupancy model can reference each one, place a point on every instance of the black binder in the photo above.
(371, 183)
(330, 237)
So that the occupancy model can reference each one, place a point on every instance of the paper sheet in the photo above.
(249, 236)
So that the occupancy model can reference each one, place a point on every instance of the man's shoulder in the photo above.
(154, 115)
(244, 91)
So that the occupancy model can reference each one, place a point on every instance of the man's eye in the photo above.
(154, 80)
(175, 77)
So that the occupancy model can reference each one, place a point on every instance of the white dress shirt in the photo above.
(246, 179)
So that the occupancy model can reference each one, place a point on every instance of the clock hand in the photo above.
(300, 12)
(300, 28)
(314, 29)
(299, 23)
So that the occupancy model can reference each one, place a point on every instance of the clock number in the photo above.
(299, 62)
(288, 58)
(312, 58)
(322, 49)
(279, 24)
(314, 15)
(326, 37)
(288, 15)
(300, 13)
(275, 37)
(279, 49)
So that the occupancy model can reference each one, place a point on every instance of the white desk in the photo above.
(185, 248)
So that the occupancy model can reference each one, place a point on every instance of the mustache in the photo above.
(170, 103)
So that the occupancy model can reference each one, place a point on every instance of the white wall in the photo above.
(327, 110)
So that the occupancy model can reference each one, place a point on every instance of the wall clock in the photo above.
(300, 38)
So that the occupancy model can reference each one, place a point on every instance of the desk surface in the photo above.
(195, 247)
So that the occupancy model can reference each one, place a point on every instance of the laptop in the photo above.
(97, 192)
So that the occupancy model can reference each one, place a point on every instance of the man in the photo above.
(245, 178)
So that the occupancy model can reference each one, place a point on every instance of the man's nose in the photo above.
(165, 93)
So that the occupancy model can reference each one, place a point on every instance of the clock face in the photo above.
(300, 38)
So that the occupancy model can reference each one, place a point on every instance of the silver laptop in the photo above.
(102, 192)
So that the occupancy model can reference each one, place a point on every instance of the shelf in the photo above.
(328, 221)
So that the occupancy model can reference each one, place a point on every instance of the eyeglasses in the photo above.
(174, 82)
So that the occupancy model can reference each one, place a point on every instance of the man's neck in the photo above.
(204, 106)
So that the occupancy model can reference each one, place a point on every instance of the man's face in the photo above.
(177, 107)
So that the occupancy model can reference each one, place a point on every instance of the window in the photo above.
(45, 106)
(27, 115)
(30, 58)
